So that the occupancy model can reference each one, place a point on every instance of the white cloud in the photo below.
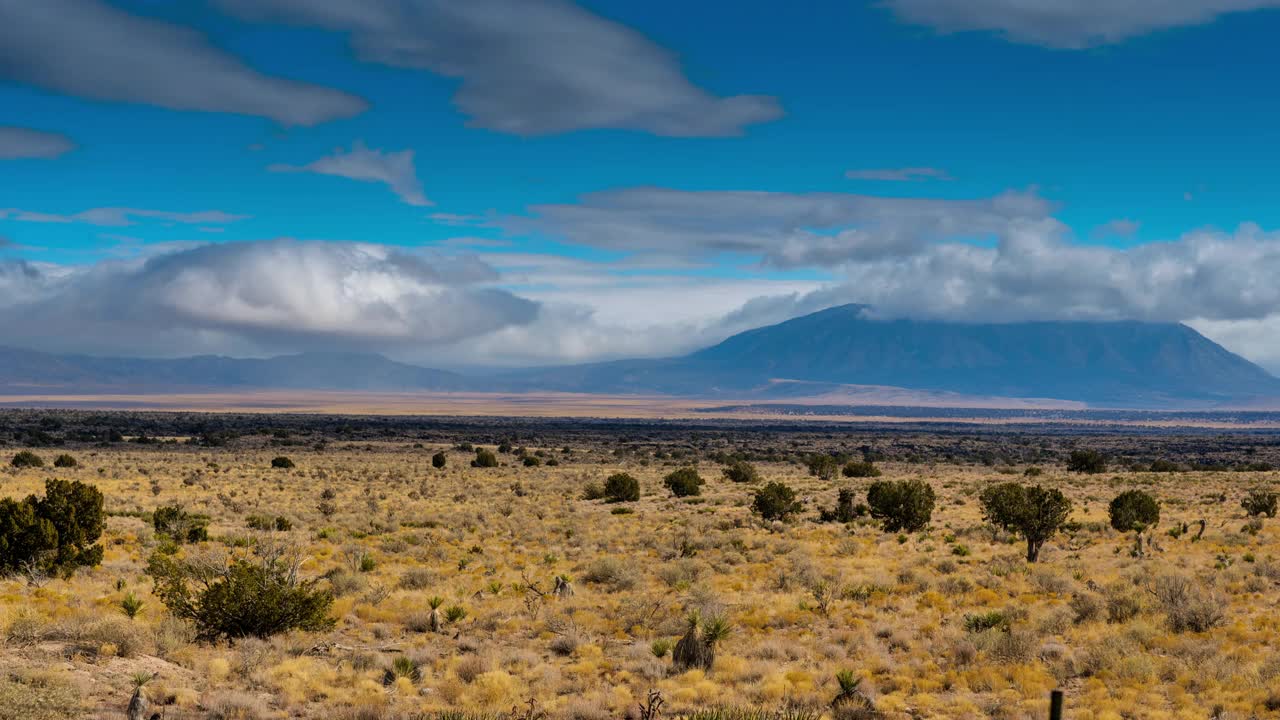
(529, 67)
(121, 216)
(904, 174)
(1120, 227)
(393, 169)
(19, 143)
(1067, 24)
(91, 49)
(785, 230)
(256, 297)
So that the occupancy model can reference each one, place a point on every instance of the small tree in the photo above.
(1091, 462)
(1033, 512)
(258, 596)
(54, 533)
(775, 501)
(901, 504)
(1134, 511)
(863, 469)
(64, 461)
(1260, 501)
(684, 482)
(844, 511)
(27, 459)
(741, 472)
(485, 459)
(823, 467)
(621, 487)
(439, 460)
(178, 525)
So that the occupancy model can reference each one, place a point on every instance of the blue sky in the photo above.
(499, 182)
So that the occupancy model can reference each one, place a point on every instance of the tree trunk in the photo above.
(1033, 550)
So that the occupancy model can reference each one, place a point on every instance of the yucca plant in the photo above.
(697, 648)
(454, 613)
(131, 605)
(402, 666)
(434, 620)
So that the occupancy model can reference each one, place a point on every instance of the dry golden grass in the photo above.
(805, 599)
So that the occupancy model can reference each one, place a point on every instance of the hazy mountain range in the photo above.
(1102, 363)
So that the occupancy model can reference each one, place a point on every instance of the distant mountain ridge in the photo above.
(1096, 362)
(303, 371)
(1125, 363)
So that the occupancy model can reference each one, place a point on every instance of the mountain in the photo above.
(838, 350)
(1098, 362)
(29, 371)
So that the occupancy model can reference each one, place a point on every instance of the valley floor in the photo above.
(950, 622)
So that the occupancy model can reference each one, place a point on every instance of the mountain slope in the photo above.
(1129, 364)
(29, 370)
(1106, 363)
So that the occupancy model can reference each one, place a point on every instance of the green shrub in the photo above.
(439, 460)
(1260, 502)
(901, 504)
(54, 533)
(621, 487)
(179, 526)
(485, 459)
(256, 597)
(1087, 461)
(281, 463)
(1031, 511)
(1134, 510)
(64, 461)
(985, 621)
(862, 469)
(741, 472)
(27, 459)
(844, 511)
(531, 461)
(684, 482)
(823, 467)
(775, 501)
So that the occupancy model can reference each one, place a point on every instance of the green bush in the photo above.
(823, 467)
(844, 511)
(281, 463)
(259, 597)
(741, 472)
(55, 533)
(27, 459)
(1033, 512)
(439, 460)
(1134, 510)
(621, 487)
(861, 470)
(64, 461)
(775, 501)
(901, 504)
(1087, 461)
(179, 526)
(684, 482)
(485, 459)
(1260, 502)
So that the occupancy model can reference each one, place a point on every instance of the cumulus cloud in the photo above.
(91, 49)
(20, 143)
(905, 174)
(1070, 24)
(264, 296)
(786, 230)
(1033, 273)
(393, 169)
(121, 216)
(529, 67)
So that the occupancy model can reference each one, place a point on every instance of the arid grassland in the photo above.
(522, 590)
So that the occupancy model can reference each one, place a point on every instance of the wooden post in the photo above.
(1055, 705)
